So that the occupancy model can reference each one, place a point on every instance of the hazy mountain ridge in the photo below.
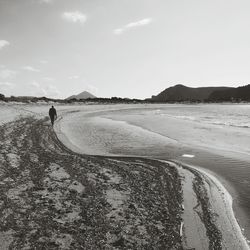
(183, 93)
(177, 93)
(82, 95)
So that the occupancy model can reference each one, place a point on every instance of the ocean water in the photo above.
(229, 115)
(215, 137)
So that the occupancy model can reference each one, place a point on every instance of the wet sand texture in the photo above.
(52, 198)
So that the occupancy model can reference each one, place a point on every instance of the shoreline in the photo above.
(220, 200)
(206, 178)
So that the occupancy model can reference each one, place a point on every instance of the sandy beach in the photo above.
(55, 198)
(52, 198)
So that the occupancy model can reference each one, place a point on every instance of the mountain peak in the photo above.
(179, 85)
(82, 95)
(85, 92)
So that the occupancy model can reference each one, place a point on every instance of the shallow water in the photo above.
(214, 137)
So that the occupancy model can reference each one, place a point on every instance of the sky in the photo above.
(125, 48)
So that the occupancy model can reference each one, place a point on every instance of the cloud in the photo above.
(74, 77)
(140, 23)
(75, 17)
(3, 43)
(118, 31)
(7, 73)
(35, 84)
(30, 68)
(49, 79)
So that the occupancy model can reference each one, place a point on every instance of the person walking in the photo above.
(52, 115)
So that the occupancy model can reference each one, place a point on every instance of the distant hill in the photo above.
(183, 93)
(237, 94)
(82, 95)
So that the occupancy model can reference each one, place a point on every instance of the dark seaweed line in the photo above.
(207, 216)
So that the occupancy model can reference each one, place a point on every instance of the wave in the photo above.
(229, 124)
(211, 120)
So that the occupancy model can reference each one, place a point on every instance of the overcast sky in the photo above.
(127, 48)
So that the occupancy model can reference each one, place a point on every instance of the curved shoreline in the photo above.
(225, 196)
(221, 201)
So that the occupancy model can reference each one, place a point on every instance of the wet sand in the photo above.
(216, 204)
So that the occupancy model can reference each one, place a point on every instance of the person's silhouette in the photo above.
(52, 115)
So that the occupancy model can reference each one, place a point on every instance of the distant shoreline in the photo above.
(104, 101)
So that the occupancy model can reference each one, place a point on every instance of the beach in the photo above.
(212, 137)
(63, 191)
